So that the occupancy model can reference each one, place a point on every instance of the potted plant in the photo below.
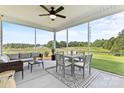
(46, 53)
(53, 54)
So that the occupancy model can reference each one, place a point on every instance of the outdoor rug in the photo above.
(77, 80)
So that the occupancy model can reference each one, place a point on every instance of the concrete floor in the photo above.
(42, 79)
(38, 78)
(107, 80)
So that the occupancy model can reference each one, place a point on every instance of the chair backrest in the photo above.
(24, 55)
(60, 52)
(74, 52)
(80, 53)
(35, 54)
(60, 59)
(13, 56)
(71, 52)
(88, 59)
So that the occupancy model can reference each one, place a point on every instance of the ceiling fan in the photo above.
(53, 13)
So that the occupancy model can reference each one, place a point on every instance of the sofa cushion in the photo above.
(4, 58)
(26, 59)
(15, 60)
(24, 55)
(13, 56)
(35, 54)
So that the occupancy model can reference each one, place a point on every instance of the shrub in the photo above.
(46, 53)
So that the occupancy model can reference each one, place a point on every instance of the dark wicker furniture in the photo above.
(17, 66)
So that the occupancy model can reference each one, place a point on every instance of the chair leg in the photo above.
(43, 65)
(59, 67)
(83, 72)
(79, 69)
(71, 70)
(63, 68)
(28, 65)
(74, 70)
(22, 75)
(89, 70)
(56, 67)
(38, 64)
(31, 68)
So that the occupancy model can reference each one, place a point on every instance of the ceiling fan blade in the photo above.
(43, 14)
(45, 8)
(62, 16)
(59, 9)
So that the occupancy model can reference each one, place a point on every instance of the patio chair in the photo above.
(60, 62)
(71, 52)
(79, 59)
(84, 64)
(60, 52)
(78, 52)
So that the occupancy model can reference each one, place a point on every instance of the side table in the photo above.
(34, 63)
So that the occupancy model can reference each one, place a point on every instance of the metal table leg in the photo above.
(31, 67)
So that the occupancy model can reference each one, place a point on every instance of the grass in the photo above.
(18, 50)
(108, 63)
(94, 49)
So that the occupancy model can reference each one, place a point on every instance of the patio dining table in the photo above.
(71, 58)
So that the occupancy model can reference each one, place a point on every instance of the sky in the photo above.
(103, 28)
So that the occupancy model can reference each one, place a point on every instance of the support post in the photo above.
(54, 47)
(89, 37)
(54, 43)
(1, 35)
(67, 40)
(35, 39)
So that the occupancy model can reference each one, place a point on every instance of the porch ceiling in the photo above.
(76, 14)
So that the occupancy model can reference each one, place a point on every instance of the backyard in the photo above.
(102, 61)
(110, 63)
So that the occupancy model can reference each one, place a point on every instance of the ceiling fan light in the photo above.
(52, 16)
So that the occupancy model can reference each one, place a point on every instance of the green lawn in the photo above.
(108, 63)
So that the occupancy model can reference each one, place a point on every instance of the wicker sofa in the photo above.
(15, 61)
(24, 57)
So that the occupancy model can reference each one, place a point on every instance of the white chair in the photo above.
(84, 64)
(61, 62)
(81, 58)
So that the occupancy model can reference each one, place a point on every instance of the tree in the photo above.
(118, 44)
(121, 34)
(17, 45)
(62, 44)
(98, 43)
(57, 44)
(109, 43)
(73, 44)
(50, 44)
